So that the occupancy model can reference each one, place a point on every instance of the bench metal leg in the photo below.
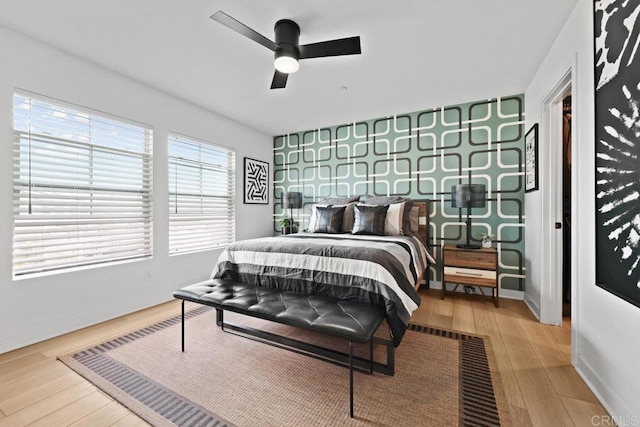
(371, 356)
(351, 379)
(183, 326)
(391, 359)
(219, 317)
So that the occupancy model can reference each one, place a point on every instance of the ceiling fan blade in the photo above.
(239, 27)
(279, 80)
(346, 46)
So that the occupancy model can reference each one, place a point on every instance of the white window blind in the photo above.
(81, 187)
(201, 195)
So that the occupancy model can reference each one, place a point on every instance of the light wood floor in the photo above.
(542, 387)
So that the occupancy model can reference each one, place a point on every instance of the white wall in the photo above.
(35, 309)
(606, 328)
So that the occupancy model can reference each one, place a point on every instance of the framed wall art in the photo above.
(617, 146)
(531, 159)
(256, 181)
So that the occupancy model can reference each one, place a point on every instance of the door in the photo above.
(566, 205)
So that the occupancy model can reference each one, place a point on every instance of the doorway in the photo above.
(554, 269)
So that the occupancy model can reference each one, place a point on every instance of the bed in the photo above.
(384, 270)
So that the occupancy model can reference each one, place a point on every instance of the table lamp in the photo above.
(468, 196)
(292, 200)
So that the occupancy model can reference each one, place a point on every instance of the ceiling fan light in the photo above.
(286, 64)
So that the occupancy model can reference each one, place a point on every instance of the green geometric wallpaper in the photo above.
(421, 155)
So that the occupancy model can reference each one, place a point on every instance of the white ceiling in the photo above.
(416, 54)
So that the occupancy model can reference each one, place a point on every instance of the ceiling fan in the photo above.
(286, 47)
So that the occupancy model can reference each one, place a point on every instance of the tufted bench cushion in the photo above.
(350, 320)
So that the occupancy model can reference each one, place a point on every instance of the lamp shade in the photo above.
(292, 200)
(468, 195)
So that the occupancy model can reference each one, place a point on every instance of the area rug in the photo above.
(442, 378)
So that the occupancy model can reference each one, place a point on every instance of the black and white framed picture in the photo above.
(531, 159)
(256, 181)
(617, 146)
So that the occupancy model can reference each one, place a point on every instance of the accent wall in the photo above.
(420, 155)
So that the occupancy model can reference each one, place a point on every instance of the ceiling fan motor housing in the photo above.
(287, 35)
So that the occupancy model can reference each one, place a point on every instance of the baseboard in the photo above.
(533, 307)
(52, 330)
(511, 294)
(615, 406)
(435, 285)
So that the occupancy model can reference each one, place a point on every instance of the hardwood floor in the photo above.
(542, 388)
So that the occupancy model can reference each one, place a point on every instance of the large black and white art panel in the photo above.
(256, 181)
(617, 121)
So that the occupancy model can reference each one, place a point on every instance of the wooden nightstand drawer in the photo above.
(472, 259)
(470, 272)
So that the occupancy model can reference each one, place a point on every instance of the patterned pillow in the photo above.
(369, 219)
(327, 219)
(394, 220)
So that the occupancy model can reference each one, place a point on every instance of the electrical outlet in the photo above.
(147, 275)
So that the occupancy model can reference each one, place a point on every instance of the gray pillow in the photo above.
(312, 216)
(406, 218)
(337, 200)
(348, 218)
(369, 219)
(389, 200)
(382, 200)
(328, 219)
(414, 219)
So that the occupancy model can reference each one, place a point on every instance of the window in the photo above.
(201, 195)
(81, 187)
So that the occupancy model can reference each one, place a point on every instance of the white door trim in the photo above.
(550, 146)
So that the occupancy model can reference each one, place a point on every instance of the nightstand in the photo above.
(475, 267)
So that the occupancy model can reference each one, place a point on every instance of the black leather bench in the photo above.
(352, 321)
